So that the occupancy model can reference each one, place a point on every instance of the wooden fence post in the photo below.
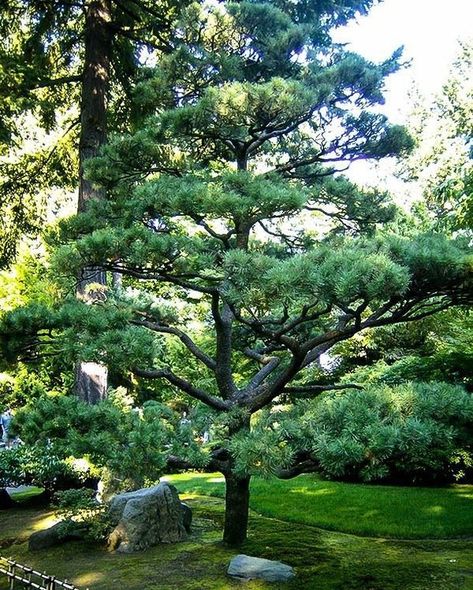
(29, 578)
(11, 570)
(28, 571)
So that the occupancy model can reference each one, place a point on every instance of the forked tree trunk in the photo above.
(92, 378)
(237, 504)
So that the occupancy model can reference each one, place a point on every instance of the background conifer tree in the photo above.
(68, 67)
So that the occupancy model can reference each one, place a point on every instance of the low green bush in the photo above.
(126, 447)
(410, 433)
(79, 510)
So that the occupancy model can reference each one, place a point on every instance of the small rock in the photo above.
(248, 568)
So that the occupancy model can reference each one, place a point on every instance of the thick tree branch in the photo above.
(224, 238)
(263, 373)
(183, 337)
(266, 392)
(183, 385)
(220, 460)
(223, 319)
(307, 465)
(320, 344)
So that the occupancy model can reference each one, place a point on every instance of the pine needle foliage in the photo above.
(225, 207)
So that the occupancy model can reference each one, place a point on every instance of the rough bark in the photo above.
(91, 382)
(237, 503)
(92, 378)
(95, 82)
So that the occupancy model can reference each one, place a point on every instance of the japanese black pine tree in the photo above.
(236, 235)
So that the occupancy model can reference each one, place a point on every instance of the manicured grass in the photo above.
(25, 494)
(379, 511)
(323, 560)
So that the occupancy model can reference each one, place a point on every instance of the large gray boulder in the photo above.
(246, 567)
(145, 518)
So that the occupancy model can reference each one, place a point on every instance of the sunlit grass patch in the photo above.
(22, 523)
(380, 511)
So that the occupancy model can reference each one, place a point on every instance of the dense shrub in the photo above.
(41, 466)
(127, 446)
(79, 510)
(410, 433)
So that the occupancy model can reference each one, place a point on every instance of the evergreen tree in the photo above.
(63, 67)
(236, 237)
(442, 162)
(57, 60)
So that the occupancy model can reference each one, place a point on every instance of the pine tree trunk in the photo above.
(237, 498)
(92, 378)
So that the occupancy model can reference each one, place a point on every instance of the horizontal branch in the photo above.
(183, 385)
(174, 462)
(308, 465)
(161, 277)
(220, 460)
(55, 82)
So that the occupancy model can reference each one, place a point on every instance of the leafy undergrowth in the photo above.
(323, 560)
(372, 510)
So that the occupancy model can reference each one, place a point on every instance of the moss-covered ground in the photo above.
(323, 560)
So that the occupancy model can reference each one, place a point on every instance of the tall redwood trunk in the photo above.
(237, 505)
(95, 82)
(91, 378)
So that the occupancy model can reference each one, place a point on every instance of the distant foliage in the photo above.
(411, 433)
(439, 348)
(442, 161)
(41, 466)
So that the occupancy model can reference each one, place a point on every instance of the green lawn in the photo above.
(323, 560)
(281, 527)
(26, 494)
(379, 511)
